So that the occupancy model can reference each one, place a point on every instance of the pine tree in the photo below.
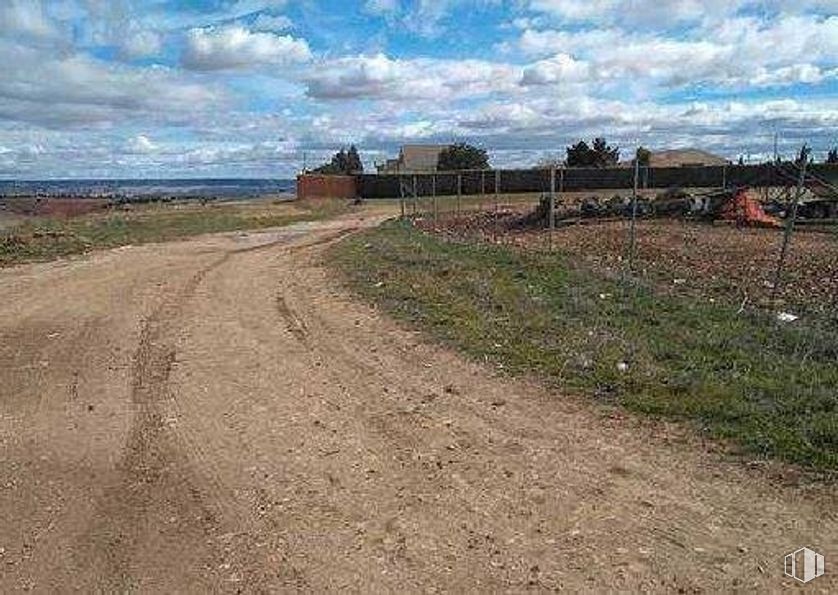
(343, 163)
(599, 154)
(463, 156)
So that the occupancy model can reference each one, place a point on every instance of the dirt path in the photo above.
(217, 414)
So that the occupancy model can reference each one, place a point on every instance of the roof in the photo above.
(420, 157)
(681, 157)
(390, 166)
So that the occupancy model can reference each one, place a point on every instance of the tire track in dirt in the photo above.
(293, 322)
(155, 470)
(145, 472)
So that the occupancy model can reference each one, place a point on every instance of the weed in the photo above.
(768, 387)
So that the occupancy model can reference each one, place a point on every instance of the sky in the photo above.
(260, 88)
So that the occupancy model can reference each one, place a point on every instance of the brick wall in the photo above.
(319, 186)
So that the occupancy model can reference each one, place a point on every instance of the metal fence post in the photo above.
(459, 192)
(633, 228)
(433, 193)
(791, 220)
(401, 195)
(482, 189)
(497, 199)
(552, 214)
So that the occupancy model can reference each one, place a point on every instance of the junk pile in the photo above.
(735, 205)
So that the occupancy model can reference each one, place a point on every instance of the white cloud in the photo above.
(742, 52)
(645, 14)
(561, 68)
(789, 75)
(142, 145)
(266, 22)
(380, 77)
(572, 70)
(382, 7)
(576, 10)
(141, 44)
(57, 90)
(25, 17)
(242, 8)
(234, 47)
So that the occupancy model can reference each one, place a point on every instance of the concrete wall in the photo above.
(321, 186)
(576, 179)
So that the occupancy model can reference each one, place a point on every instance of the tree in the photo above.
(832, 156)
(354, 163)
(463, 156)
(804, 156)
(343, 163)
(644, 156)
(579, 155)
(605, 156)
(599, 154)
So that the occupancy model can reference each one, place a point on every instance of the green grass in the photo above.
(767, 387)
(48, 238)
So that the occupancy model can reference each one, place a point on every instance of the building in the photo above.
(413, 159)
(684, 158)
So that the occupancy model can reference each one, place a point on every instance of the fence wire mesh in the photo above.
(718, 302)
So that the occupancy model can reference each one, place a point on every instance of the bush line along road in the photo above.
(221, 413)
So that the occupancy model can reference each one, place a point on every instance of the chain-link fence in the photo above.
(714, 303)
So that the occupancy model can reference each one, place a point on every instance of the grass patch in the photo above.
(769, 388)
(48, 238)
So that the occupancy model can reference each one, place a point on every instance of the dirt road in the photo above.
(217, 414)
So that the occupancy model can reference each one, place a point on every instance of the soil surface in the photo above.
(719, 261)
(219, 415)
